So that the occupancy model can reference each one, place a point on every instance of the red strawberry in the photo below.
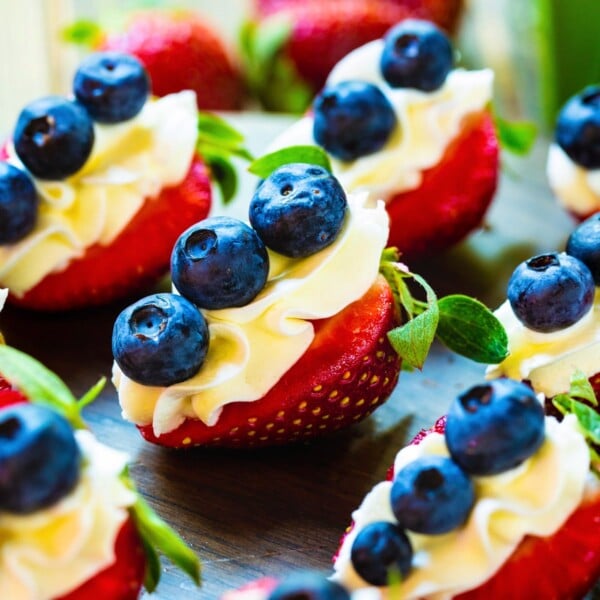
(137, 257)
(182, 52)
(347, 372)
(453, 196)
(124, 578)
(9, 395)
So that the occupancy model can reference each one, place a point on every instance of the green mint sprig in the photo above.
(266, 164)
(463, 324)
(217, 143)
(159, 537)
(84, 33)
(516, 137)
(42, 386)
(581, 401)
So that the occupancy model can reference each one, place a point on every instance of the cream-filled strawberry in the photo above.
(401, 124)
(552, 316)
(96, 188)
(72, 525)
(282, 329)
(526, 501)
(573, 166)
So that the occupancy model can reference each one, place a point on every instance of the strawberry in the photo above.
(453, 196)
(348, 370)
(136, 258)
(182, 51)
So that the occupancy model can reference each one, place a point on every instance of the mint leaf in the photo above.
(84, 33)
(582, 388)
(39, 384)
(469, 328)
(158, 536)
(312, 155)
(563, 403)
(589, 420)
(270, 37)
(517, 137)
(223, 173)
(153, 569)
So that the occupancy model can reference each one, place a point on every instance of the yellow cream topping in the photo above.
(427, 123)
(251, 347)
(534, 498)
(53, 551)
(130, 163)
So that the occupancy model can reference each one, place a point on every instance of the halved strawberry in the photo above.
(345, 374)
(9, 395)
(124, 578)
(138, 257)
(453, 196)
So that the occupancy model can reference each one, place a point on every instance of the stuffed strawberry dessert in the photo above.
(399, 122)
(94, 190)
(552, 318)
(281, 329)
(72, 525)
(573, 166)
(493, 494)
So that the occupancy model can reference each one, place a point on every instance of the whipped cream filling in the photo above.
(549, 360)
(427, 124)
(3, 296)
(53, 551)
(534, 498)
(130, 163)
(251, 347)
(577, 188)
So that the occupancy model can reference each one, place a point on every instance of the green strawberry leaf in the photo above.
(158, 536)
(517, 137)
(42, 386)
(84, 32)
(91, 394)
(270, 37)
(216, 131)
(469, 328)
(266, 164)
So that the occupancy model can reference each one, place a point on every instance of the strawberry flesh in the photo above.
(136, 259)
(453, 196)
(346, 373)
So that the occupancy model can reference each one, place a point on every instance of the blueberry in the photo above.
(160, 340)
(494, 427)
(352, 119)
(308, 586)
(39, 458)
(432, 495)
(416, 54)
(584, 244)
(219, 262)
(551, 291)
(578, 128)
(378, 550)
(112, 86)
(18, 204)
(53, 137)
(298, 210)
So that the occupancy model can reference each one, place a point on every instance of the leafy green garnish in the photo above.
(158, 536)
(84, 33)
(266, 164)
(42, 386)
(270, 74)
(217, 142)
(462, 323)
(517, 137)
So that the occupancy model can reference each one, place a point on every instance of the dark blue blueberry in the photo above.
(18, 204)
(551, 291)
(39, 458)
(578, 128)
(298, 210)
(219, 262)
(308, 586)
(112, 86)
(352, 119)
(432, 495)
(54, 137)
(416, 54)
(160, 340)
(584, 244)
(494, 427)
(379, 551)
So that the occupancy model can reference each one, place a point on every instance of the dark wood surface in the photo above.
(273, 511)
